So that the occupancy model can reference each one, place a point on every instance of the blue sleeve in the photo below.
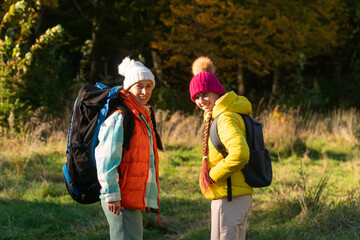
(108, 154)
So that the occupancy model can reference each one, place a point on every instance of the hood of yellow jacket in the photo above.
(231, 102)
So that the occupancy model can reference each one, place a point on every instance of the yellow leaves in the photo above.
(4, 44)
(21, 16)
(261, 35)
(18, 7)
(182, 11)
(51, 35)
(5, 19)
(279, 116)
(16, 52)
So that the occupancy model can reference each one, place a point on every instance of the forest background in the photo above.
(293, 53)
(298, 62)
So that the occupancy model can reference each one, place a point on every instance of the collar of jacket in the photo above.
(230, 102)
(134, 106)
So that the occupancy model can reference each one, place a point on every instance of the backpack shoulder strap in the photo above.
(219, 146)
(250, 131)
(117, 104)
(254, 133)
(128, 125)
(215, 139)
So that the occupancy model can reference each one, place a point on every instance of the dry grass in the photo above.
(38, 135)
(286, 130)
(179, 127)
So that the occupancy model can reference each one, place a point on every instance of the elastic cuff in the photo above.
(112, 197)
(211, 174)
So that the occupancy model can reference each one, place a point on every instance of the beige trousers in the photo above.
(229, 219)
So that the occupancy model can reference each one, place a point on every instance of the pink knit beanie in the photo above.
(204, 79)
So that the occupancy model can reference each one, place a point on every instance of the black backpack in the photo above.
(258, 171)
(93, 104)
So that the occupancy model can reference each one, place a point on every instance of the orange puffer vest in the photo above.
(134, 166)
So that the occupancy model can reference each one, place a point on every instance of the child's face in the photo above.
(141, 91)
(206, 100)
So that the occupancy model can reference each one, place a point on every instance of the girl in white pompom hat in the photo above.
(129, 178)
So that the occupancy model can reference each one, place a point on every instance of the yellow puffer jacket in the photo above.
(232, 133)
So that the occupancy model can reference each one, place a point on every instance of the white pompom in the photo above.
(124, 65)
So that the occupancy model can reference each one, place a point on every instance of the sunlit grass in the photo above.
(315, 192)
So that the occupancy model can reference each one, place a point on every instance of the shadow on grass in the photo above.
(181, 147)
(32, 220)
(280, 213)
(45, 166)
(286, 220)
(316, 155)
(181, 218)
(43, 220)
(341, 157)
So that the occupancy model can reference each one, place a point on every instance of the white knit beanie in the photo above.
(134, 71)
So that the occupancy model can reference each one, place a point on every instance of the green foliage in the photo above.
(305, 98)
(15, 28)
(338, 73)
(167, 97)
(281, 51)
(46, 81)
(20, 59)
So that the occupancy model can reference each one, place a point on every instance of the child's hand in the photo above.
(115, 207)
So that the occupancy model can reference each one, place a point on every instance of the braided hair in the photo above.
(205, 178)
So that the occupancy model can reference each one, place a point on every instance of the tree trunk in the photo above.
(95, 28)
(275, 85)
(39, 22)
(157, 65)
(240, 81)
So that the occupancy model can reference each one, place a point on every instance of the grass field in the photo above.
(315, 192)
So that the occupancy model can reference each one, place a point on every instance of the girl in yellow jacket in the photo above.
(228, 218)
